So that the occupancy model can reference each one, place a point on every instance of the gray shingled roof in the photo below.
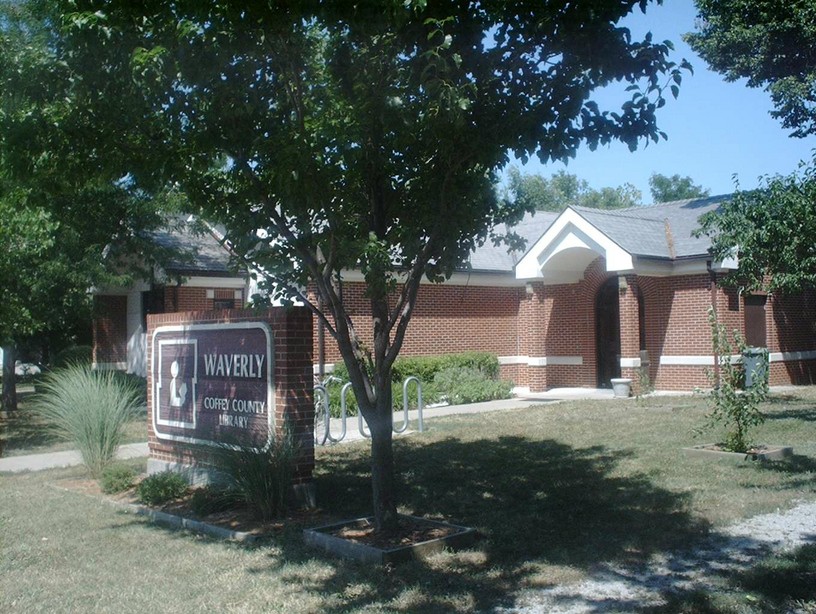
(655, 231)
(195, 250)
(494, 258)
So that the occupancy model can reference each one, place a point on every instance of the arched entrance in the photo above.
(607, 333)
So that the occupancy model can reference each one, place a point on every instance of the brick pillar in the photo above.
(629, 329)
(532, 331)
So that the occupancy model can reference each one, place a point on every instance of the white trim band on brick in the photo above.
(708, 361)
(790, 356)
(541, 361)
(215, 282)
(327, 368)
(690, 361)
(513, 360)
(631, 363)
(109, 366)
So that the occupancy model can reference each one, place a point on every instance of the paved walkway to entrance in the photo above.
(53, 460)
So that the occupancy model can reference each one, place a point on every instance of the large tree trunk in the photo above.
(382, 463)
(9, 397)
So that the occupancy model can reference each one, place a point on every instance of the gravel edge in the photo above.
(612, 588)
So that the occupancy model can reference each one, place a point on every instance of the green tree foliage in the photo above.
(64, 204)
(562, 189)
(768, 42)
(771, 231)
(329, 136)
(665, 189)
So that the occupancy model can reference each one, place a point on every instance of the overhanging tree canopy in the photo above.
(329, 136)
(768, 42)
(771, 43)
(771, 231)
(64, 201)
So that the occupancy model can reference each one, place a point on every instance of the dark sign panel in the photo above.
(212, 383)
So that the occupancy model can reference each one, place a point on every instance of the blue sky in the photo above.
(715, 129)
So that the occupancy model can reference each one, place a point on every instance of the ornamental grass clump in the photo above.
(261, 477)
(90, 409)
(737, 409)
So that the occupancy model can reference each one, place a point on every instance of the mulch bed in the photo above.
(411, 530)
(238, 518)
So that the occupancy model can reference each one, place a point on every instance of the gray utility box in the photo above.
(755, 363)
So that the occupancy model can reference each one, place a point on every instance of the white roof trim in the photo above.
(567, 247)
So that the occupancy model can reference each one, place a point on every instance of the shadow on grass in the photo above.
(22, 430)
(805, 414)
(779, 583)
(537, 504)
(794, 408)
(799, 468)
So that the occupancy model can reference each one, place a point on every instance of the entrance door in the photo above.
(607, 332)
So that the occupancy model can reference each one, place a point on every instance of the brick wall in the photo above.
(109, 329)
(675, 319)
(447, 319)
(549, 321)
(558, 321)
(187, 298)
(292, 332)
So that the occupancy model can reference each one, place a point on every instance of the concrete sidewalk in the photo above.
(54, 460)
(69, 458)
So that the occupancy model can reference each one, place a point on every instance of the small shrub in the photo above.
(135, 382)
(88, 408)
(734, 408)
(469, 385)
(160, 488)
(117, 478)
(262, 478)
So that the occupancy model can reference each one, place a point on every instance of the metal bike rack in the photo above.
(404, 427)
(343, 414)
(321, 393)
(322, 405)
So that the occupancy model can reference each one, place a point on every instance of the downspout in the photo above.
(712, 276)
(321, 342)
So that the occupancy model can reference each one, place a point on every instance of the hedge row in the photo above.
(469, 377)
(426, 367)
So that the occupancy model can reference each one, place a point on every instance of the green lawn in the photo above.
(23, 433)
(553, 490)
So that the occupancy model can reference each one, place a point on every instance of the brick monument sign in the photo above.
(233, 376)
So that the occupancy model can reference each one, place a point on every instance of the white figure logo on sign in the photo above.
(178, 394)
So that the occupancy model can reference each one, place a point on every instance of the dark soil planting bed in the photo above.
(417, 538)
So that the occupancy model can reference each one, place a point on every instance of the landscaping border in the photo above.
(321, 537)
